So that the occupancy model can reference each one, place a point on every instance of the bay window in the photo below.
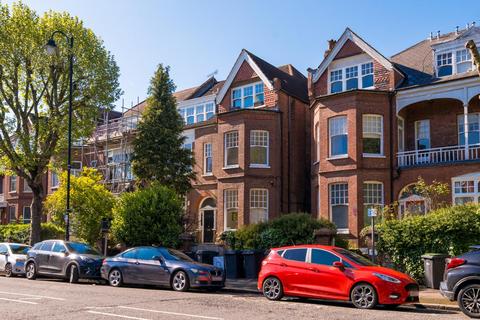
(473, 129)
(231, 208)
(466, 189)
(339, 206)
(231, 149)
(248, 96)
(444, 64)
(351, 75)
(258, 205)
(372, 134)
(199, 113)
(338, 137)
(463, 60)
(367, 75)
(259, 148)
(336, 83)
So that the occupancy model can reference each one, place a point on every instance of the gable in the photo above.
(244, 73)
(349, 49)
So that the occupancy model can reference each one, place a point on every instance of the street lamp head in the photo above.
(51, 47)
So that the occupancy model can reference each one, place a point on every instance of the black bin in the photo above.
(434, 264)
(206, 256)
(233, 264)
(252, 259)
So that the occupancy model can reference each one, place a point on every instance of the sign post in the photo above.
(105, 227)
(372, 212)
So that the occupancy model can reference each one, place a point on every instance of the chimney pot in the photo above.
(438, 34)
(456, 29)
(331, 44)
(468, 26)
(473, 24)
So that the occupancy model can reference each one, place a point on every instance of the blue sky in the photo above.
(198, 37)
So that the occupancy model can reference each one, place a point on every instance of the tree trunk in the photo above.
(37, 208)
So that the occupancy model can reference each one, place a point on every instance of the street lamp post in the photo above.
(51, 50)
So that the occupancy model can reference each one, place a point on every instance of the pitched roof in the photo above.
(291, 80)
(417, 61)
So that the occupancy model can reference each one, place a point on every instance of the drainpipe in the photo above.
(289, 151)
(392, 116)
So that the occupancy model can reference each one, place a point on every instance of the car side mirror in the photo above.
(159, 258)
(339, 265)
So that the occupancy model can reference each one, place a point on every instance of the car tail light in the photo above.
(455, 262)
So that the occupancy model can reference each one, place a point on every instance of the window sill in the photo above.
(315, 163)
(12, 192)
(343, 231)
(231, 167)
(259, 166)
(370, 155)
(54, 188)
(343, 156)
(207, 175)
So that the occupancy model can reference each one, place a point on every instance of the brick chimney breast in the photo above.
(331, 44)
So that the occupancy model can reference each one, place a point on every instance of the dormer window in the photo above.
(352, 77)
(197, 113)
(248, 96)
(444, 64)
(454, 62)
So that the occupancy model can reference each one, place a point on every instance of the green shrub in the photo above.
(448, 230)
(150, 216)
(21, 232)
(289, 229)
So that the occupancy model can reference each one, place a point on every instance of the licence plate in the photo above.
(413, 293)
(217, 278)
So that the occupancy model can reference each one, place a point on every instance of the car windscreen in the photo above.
(354, 257)
(81, 248)
(19, 249)
(170, 254)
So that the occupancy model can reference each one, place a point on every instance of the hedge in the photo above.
(289, 229)
(21, 232)
(448, 230)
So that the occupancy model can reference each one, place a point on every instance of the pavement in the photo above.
(22, 299)
(429, 298)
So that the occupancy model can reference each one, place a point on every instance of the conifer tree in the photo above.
(159, 154)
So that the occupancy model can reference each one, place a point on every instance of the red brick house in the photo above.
(379, 123)
(251, 156)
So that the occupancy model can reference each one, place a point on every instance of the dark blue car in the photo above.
(160, 266)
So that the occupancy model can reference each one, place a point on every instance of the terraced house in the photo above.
(379, 123)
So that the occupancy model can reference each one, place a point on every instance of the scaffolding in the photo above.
(109, 148)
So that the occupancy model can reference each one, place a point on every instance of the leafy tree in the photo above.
(149, 216)
(34, 92)
(158, 147)
(90, 200)
(433, 193)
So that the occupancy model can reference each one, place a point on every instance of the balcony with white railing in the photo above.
(435, 156)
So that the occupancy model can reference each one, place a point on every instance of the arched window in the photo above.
(410, 201)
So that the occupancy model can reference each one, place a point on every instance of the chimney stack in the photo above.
(468, 26)
(331, 44)
(438, 34)
(456, 29)
(473, 24)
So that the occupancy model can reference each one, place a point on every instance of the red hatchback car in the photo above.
(333, 273)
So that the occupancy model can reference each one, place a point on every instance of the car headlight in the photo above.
(194, 270)
(384, 277)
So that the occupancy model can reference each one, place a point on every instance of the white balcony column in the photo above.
(465, 129)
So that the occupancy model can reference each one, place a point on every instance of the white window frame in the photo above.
(23, 214)
(254, 95)
(254, 143)
(207, 154)
(76, 172)
(54, 186)
(203, 106)
(343, 74)
(225, 149)
(460, 121)
(10, 214)
(457, 58)
(344, 202)
(317, 143)
(401, 134)
(15, 179)
(371, 134)
(417, 123)
(475, 179)
(230, 204)
(368, 197)
(259, 201)
(330, 136)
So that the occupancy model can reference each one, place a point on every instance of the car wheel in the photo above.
(469, 300)
(31, 271)
(8, 270)
(115, 278)
(73, 275)
(364, 296)
(272, 288)
(180, 281)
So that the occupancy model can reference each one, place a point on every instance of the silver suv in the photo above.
(12, 258)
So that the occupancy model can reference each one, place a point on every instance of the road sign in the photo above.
(372, 212)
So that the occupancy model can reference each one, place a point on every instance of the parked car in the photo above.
(161, 266)
(461, 282)
(327, 272)
(60, 259)
(12, 258)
